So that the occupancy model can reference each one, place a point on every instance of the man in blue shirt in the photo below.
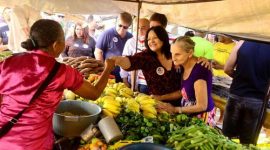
(249, 66)
(112, 41)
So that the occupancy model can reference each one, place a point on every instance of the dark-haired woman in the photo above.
(156, 64)
(20, 77)
(80, 44)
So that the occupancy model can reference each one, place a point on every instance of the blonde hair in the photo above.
(187, 43)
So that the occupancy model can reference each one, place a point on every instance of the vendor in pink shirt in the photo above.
(20, 77)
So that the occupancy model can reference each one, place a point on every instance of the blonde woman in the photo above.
(196, 83)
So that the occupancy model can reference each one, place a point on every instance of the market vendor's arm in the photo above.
(167, 97)
(89, 91)
(231, 62)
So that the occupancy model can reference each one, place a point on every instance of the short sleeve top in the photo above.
(188, 91)
(111, 43)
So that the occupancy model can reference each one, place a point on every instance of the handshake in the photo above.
(109, 64)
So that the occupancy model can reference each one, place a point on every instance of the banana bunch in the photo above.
(110, 91)
(147, 105)
(111, 107)
(126, 92)
(111, 81)
(132, 106)
(119, 86)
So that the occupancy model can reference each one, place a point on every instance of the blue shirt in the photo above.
(252, 70)
(3, 34)
(111, 43)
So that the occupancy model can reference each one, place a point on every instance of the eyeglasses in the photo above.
(125, 27)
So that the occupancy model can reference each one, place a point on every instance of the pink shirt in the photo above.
(20, 77)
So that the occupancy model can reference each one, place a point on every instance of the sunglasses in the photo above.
(125, 27)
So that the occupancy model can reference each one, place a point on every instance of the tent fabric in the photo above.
(242, 18)
(68, 6)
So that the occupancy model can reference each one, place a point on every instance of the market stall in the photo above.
(184, 131)
(137, 119)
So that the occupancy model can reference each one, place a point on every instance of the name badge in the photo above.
(115, 39)
(76, 45)
(85, 46)
(160, 71)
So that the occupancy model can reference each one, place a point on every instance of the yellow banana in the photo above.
(143, 98)
(110, 103)
(152, 111)
(147, 106)
(124, 94)
(149, 115)
(108, 97)
(107, 113)
(110, 91)
(127, 91)
(132, 105)
(120, 86)
(147, 102)
(112, 108)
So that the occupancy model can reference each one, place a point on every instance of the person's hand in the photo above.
(109, 64)
(161, 106)
(204, 62)
(217, 65)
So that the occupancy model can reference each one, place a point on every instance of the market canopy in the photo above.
(243, 18)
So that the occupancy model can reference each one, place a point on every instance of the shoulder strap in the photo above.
(6, 127)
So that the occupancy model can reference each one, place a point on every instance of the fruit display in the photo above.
(95, 144)
(117, 97)
(137, 118)
(147, 104)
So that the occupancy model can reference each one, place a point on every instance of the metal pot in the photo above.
(84, 114)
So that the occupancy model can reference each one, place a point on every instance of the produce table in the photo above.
(137, 119)
(221, 103)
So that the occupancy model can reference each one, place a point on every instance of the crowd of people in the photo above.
(175, 71)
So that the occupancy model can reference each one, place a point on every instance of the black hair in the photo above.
(189, 33)
(43, 34)
(163, 36)
(160, 18)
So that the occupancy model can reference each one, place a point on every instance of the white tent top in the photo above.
(243, 18)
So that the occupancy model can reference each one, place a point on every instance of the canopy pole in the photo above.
(133, 75)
